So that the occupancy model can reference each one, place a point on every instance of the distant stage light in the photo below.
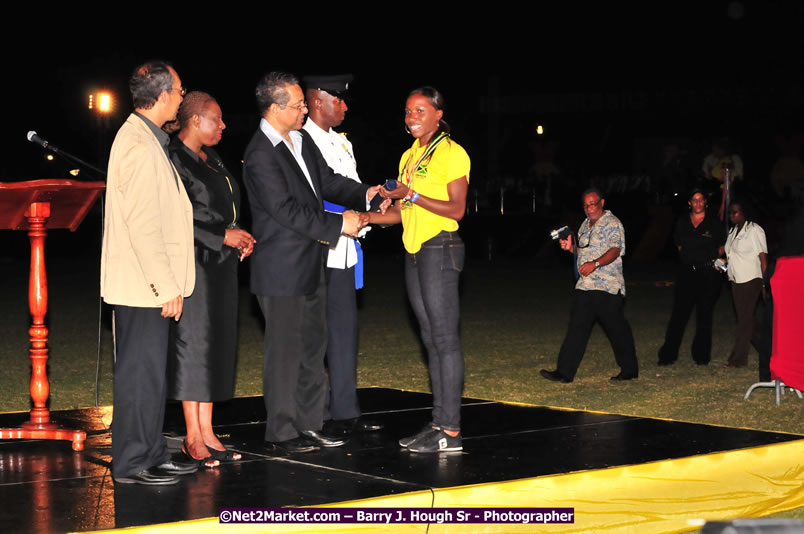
(101, 102)
(50, 157)
(539, 129)
(104, 102)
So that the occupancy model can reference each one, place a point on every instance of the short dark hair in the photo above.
(148, 81)
(694, 191)
(437, 101)
(592, 191)
(272, 89)
(193, 104)
(746, 207)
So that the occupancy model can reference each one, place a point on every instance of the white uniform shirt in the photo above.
(743, 251)
(337, 152)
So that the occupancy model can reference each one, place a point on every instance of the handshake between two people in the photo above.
(354, 222)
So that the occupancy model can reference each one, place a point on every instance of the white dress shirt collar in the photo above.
(295, 148)
(275, 137)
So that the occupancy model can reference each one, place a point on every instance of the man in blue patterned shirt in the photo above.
(599, 293)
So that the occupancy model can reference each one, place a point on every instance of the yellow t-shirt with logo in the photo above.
(449, 162)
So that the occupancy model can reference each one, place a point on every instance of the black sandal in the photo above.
(225, 455)
(210, 462)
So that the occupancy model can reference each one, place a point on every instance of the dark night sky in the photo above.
(503, 56)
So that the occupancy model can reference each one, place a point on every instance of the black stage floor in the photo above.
(46, 487)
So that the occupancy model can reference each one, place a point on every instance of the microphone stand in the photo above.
(75, 159)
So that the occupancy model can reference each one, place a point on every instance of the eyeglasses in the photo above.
(297, 107)
(181, 90)
(588, 236)
(591, 205)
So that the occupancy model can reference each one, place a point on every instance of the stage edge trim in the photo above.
(657, 497)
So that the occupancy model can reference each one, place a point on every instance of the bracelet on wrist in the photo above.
(414, 198)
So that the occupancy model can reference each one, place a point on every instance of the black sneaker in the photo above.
(428, 429)
(438, 441)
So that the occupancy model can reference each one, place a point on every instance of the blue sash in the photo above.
(335, 208)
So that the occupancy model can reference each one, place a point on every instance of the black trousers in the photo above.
(342, 400)
(140, 389)
(695, 289)
(588, 307)
(293, 380)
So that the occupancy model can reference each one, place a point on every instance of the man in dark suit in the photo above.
(287, 180)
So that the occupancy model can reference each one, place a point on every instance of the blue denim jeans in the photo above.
(432, 277)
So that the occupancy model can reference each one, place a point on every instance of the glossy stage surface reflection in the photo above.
(46, 487)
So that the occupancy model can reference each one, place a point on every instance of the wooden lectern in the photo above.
(36, 206)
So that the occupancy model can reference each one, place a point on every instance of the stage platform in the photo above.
(619, 473)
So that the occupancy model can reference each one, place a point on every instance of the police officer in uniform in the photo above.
(327, 109)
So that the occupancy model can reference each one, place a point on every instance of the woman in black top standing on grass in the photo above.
(700, 239)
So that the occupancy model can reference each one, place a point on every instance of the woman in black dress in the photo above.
(201, 368)
(700, 239)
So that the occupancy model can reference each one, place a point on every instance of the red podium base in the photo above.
(45, 431)
(36, 206)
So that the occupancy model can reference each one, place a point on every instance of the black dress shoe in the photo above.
(555, 376)
(174, 467)
(345, 427)
(295, 445)
(149, 477)
(624, 376)
(340, 427)
(321, 439)
(368, 425)
(666, 357)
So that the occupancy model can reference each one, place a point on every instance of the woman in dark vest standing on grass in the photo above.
(699, 238)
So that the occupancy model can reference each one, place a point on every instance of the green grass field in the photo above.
(514, 317)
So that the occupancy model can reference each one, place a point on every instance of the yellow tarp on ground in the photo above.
(654, 497)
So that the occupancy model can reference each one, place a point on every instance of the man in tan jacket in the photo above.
(147, 268)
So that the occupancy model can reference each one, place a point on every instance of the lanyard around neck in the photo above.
(412, 169)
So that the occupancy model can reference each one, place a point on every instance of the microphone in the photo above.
(377, 200)
(33, 138)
